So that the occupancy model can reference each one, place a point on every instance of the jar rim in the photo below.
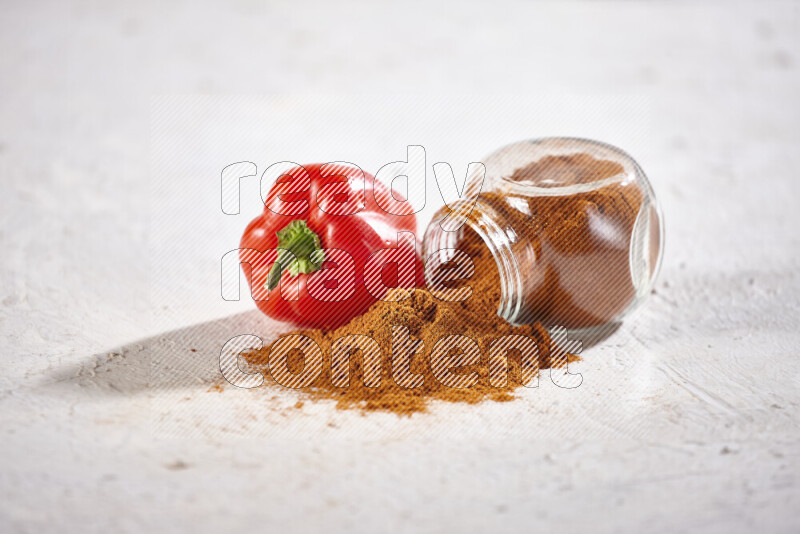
(566, 146)
(483, 221)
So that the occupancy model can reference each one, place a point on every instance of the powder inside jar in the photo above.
(573, 223)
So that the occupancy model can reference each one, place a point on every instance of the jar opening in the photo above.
(482, 224)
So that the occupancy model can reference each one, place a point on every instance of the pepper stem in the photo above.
(299, 251)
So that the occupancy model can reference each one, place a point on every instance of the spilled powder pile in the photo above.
(428, 319)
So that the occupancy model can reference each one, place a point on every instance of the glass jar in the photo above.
(572, 224)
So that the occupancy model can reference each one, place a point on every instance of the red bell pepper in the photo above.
(308, 250)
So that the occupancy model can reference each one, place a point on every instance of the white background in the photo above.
(114, 126)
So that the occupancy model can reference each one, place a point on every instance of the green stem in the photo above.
(299, 251)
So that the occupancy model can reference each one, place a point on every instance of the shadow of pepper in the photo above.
(186, 358)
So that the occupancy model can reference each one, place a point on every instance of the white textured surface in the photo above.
(688, 416)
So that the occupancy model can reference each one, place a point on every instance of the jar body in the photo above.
(573, 226)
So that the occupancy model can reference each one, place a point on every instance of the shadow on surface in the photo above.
(186, 358)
